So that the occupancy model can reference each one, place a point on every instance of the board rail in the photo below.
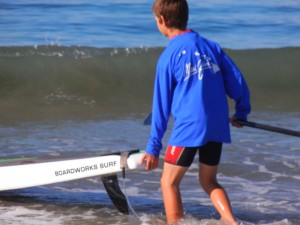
(29, 172)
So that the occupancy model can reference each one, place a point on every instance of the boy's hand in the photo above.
(151, 162)
(233, 121)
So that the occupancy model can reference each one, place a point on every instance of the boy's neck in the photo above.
(175, 32)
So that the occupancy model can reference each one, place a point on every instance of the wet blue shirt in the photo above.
(193, 79)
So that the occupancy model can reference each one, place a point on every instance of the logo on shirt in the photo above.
(204, 63)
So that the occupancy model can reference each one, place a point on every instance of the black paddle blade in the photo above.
(116, 195)
(148, 120)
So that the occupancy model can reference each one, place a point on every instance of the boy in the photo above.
(193, 78)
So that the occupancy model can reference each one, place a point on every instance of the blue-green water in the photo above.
(130, 23)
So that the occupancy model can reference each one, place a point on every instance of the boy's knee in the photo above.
(168, 183)
(165, 182)
(205, 186)
(209, 185)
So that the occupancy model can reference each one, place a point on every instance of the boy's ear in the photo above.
(162, 20)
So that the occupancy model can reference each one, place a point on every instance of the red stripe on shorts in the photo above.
(173, 153)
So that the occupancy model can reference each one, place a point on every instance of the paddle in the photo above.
(148, 119)
(269, 128)
(280, 130)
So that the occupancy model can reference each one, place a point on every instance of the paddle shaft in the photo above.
(280, 130)
(269, 128)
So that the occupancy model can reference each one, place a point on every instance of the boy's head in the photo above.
(175, 12)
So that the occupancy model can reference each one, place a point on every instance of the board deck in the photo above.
(29, 172)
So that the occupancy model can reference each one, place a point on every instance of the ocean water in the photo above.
(76, 77)
(130, 23)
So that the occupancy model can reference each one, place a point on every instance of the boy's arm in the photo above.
(161, 108)
(236, 87)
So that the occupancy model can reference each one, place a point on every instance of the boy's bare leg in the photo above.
(170, 181)
(218, 196)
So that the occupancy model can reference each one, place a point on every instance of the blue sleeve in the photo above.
(236, 87)
(162, 100)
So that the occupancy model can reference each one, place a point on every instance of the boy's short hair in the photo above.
(175, 12)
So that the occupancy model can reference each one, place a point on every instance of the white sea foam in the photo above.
(18, 215)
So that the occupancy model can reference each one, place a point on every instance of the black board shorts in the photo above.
(209, 154)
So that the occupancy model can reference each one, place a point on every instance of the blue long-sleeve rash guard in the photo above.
(193, 78)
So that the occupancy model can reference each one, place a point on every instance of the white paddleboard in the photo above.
(30, 172)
